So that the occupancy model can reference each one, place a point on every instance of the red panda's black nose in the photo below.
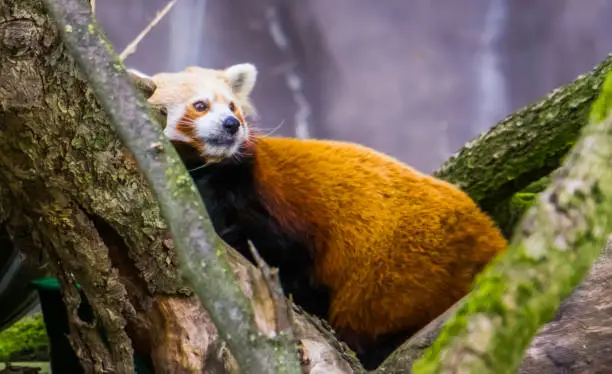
(231, 125)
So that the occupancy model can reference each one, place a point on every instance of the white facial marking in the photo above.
(208, 128)
(175, 113)
(209, 125)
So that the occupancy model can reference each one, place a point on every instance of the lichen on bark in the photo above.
(64, 172)
(202, 253)
(554, 247)
(526, 146)
(63, 168)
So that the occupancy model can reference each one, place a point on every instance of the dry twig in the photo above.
(269, 276)
(131, 48)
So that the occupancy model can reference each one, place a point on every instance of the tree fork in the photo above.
(462, 169)
(201, 252)
(54, 126)
(555, 245)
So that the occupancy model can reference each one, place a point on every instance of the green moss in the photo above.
(603, 104)
(508, 213)
(490, 297)
(522, 289)
(527, 145)
(538, 186)
(26, 340)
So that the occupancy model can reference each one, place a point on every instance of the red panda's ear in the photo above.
(142, 82)
(242, 78)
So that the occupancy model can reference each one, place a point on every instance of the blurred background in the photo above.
(413, 78)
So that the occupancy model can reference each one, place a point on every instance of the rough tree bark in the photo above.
(267, 347)
(69, 191)
(554, 247)
(524, 147)
(592, 303)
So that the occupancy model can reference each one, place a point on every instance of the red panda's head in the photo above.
(205, 109)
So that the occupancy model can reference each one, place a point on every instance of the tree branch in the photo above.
(556, 244)
(526, 145)
(474, 158)
(200, 250)
(59, 72)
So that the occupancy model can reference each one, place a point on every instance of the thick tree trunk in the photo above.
(69, 192)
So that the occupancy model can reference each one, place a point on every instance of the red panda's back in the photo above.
(396, 247)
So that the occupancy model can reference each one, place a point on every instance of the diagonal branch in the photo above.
(131, 48)
(526, 145)
(554, 247)
(201, 251)
(466, 166)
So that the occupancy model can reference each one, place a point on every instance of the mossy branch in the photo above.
(555, 245)
(466, 166)
(527, 145)
(200, 250)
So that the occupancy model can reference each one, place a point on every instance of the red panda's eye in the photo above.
(200, 106)
(232, 107)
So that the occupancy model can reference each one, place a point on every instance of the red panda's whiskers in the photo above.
(237, 157)
(241, 153)
(272, 131)
(256, 136)
(198, 167)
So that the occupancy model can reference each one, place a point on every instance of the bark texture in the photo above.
(202, 254)
(69, 191)
(72, 194)
(579, 339)
(554, 247)
(582, 308)
(526, 146)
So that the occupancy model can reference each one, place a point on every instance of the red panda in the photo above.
(362, 240)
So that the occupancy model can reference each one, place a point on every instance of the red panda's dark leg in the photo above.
(371, 352)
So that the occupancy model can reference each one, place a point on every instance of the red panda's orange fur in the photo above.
(392, 247)
(395, 247)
